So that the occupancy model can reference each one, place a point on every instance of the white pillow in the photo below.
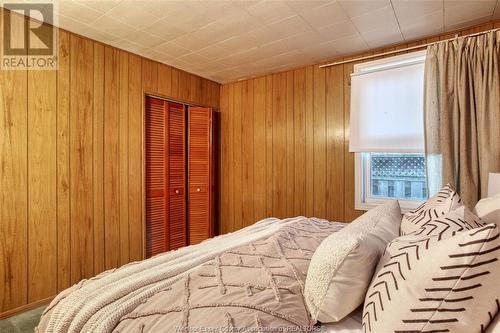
(342, 266)
(494, 326)
(441, 203)
(434, 284)
(488, 209)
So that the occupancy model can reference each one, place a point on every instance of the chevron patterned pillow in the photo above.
(450, 223)
(434, 284)
(441, 203)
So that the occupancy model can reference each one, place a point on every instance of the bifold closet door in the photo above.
(199, 174)
(156, 176)
(165, 127)
(177, 175)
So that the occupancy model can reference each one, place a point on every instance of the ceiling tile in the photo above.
(214, 52)
(460, 12)
(381, 18)
(410, 10)
(350, 44)
(360, 7)
(100, 5)
(270, 11)
(496, 14)
(184, 18)
(289, 26)
(382, 37)
(145, 39)
(193, 58)
(171, 49)
(113, 27)
(422, 26)
(303, 5)
(338, 30)
(78, 12)
(164, 30)
(127, 45)
(135, 13)
(191, 42)
(230, 39)
(325, 15)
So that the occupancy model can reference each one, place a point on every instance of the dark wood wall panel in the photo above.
(71, 152)
(299, 120)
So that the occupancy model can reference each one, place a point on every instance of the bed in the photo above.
(269, 277)
(250, 279)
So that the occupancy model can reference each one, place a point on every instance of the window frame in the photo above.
(362, 184)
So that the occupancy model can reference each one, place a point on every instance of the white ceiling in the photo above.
(230, 40)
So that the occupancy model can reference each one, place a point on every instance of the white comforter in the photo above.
(97, 304)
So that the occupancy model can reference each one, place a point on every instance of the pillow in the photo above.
(494, 326)
(442, 202)
(431, 284)
(489, 209)
(342, 266)
(450, 223)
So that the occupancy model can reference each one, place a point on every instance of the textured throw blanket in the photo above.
(248, 279)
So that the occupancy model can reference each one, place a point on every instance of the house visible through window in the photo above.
(387, 131)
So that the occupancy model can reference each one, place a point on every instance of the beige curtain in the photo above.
(462, 113)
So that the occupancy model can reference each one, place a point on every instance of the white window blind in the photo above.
(387, 105)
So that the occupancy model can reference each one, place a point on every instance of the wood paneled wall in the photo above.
(285, 144)
(71, 165)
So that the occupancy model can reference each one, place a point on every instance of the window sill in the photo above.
(406, 206)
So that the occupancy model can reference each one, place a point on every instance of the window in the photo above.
(387, 132)
(383, 176)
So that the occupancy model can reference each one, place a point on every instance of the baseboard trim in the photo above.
(26, 307)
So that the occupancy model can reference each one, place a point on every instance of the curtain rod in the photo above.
(405, 49)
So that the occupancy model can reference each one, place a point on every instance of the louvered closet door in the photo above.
(156, 177)
(199, 173)
(177, 175)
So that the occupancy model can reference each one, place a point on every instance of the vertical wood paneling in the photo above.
(309, 141)
(123, 157)
(335, 143)
(42, 217)
(111, 158)
(230, 156)
(165, 80)
(80, 122)
(247, 153)
(269, 145)
(71, 165)
(299, 158)
(149, 75)
(135, 106)
(259, 147)
(237, 156)
(225, 143)
(290, 151)
(13, 185)
(62, 169)
(319, 119)
(175, 83)
(98, 158)
(279, 145)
